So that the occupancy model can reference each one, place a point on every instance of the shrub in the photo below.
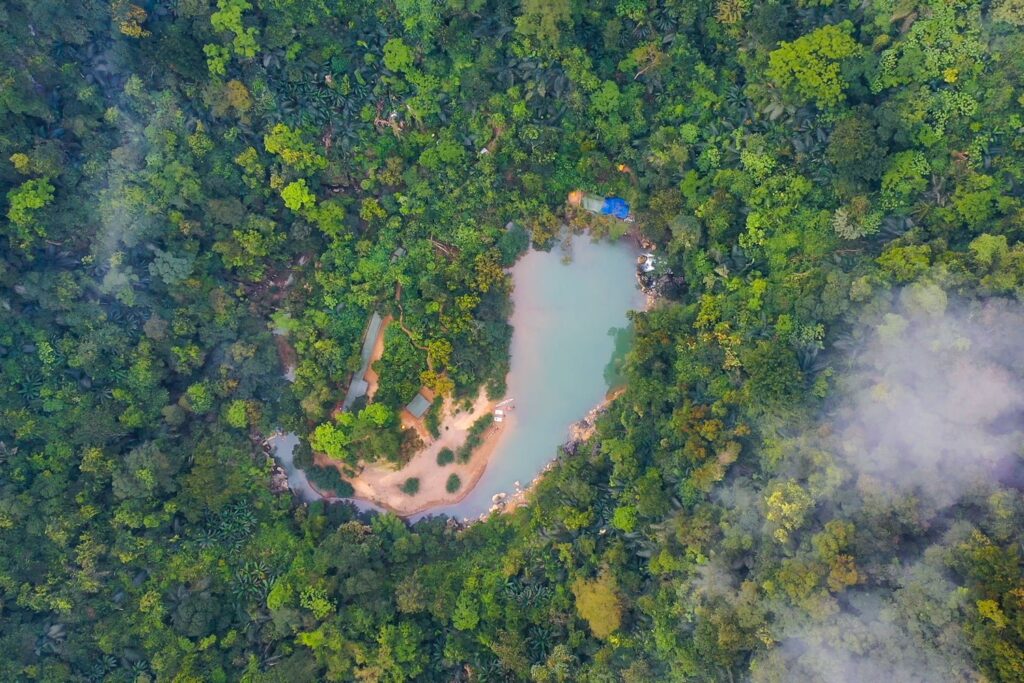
(432, 420)
(474, 438)
(329, 481)
(445, 456)
(453, 484)
(411, 486)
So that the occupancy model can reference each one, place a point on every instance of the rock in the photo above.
(278, 481)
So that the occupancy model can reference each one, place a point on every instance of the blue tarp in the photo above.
(615, 206)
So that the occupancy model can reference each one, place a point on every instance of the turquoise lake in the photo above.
(569, 319)
(569, 322)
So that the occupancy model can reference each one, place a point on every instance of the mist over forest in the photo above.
(927, 416)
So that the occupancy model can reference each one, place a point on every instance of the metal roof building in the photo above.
(357, 386)
(418, 405)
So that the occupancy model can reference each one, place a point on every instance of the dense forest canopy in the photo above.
(814, 471)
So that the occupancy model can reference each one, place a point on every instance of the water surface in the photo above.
(567, 320)
(569, 326)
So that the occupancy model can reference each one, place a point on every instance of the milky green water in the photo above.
(566, 321)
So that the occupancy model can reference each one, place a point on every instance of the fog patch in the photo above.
(935, 403)
(910, 633)
(929, 409)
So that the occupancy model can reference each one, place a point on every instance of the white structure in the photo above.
(499, 412)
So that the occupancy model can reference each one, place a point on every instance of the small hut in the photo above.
(418, 406)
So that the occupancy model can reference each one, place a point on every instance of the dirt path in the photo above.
(381, 485)
(378, 350)
(285, 352)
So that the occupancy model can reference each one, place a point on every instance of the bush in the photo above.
(445, 456)
(453, 484)
(411, 486)
(432, 420)
(474, 438)
(303, 455)
(328, 480)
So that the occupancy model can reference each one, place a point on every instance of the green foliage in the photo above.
(811, 65)
(180, 183)
(171, 268)
(329, 481)
(368, 435)
(432, 419)
(411, 486)
(316, 601)
(420, 17)
(297, 196)
(288, 144)
(854, 149)
(228, 18)
(445, 456)
(332, 439)
(474, 438)
(543, 21)
(606, 99)
(905, 263)
(775, 377)
(199, 398)
(397, 55)
(237, 414)
(466, 615)
(453, 483)
(787, 506)
(1009, 11)
(24, 203)
(906, 176)
(856, 220)
(598, 603)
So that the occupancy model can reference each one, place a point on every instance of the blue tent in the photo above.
(615, 206)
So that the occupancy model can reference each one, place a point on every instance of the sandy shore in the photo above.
(581, 430)
(381, 485)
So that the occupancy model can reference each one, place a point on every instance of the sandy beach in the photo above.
(581, 430)
(381, 485)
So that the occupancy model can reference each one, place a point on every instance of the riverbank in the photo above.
(579, 432)
(285, 477)
(568, 316)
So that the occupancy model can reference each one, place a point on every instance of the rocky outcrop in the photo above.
(583, 429)
(279, 480)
